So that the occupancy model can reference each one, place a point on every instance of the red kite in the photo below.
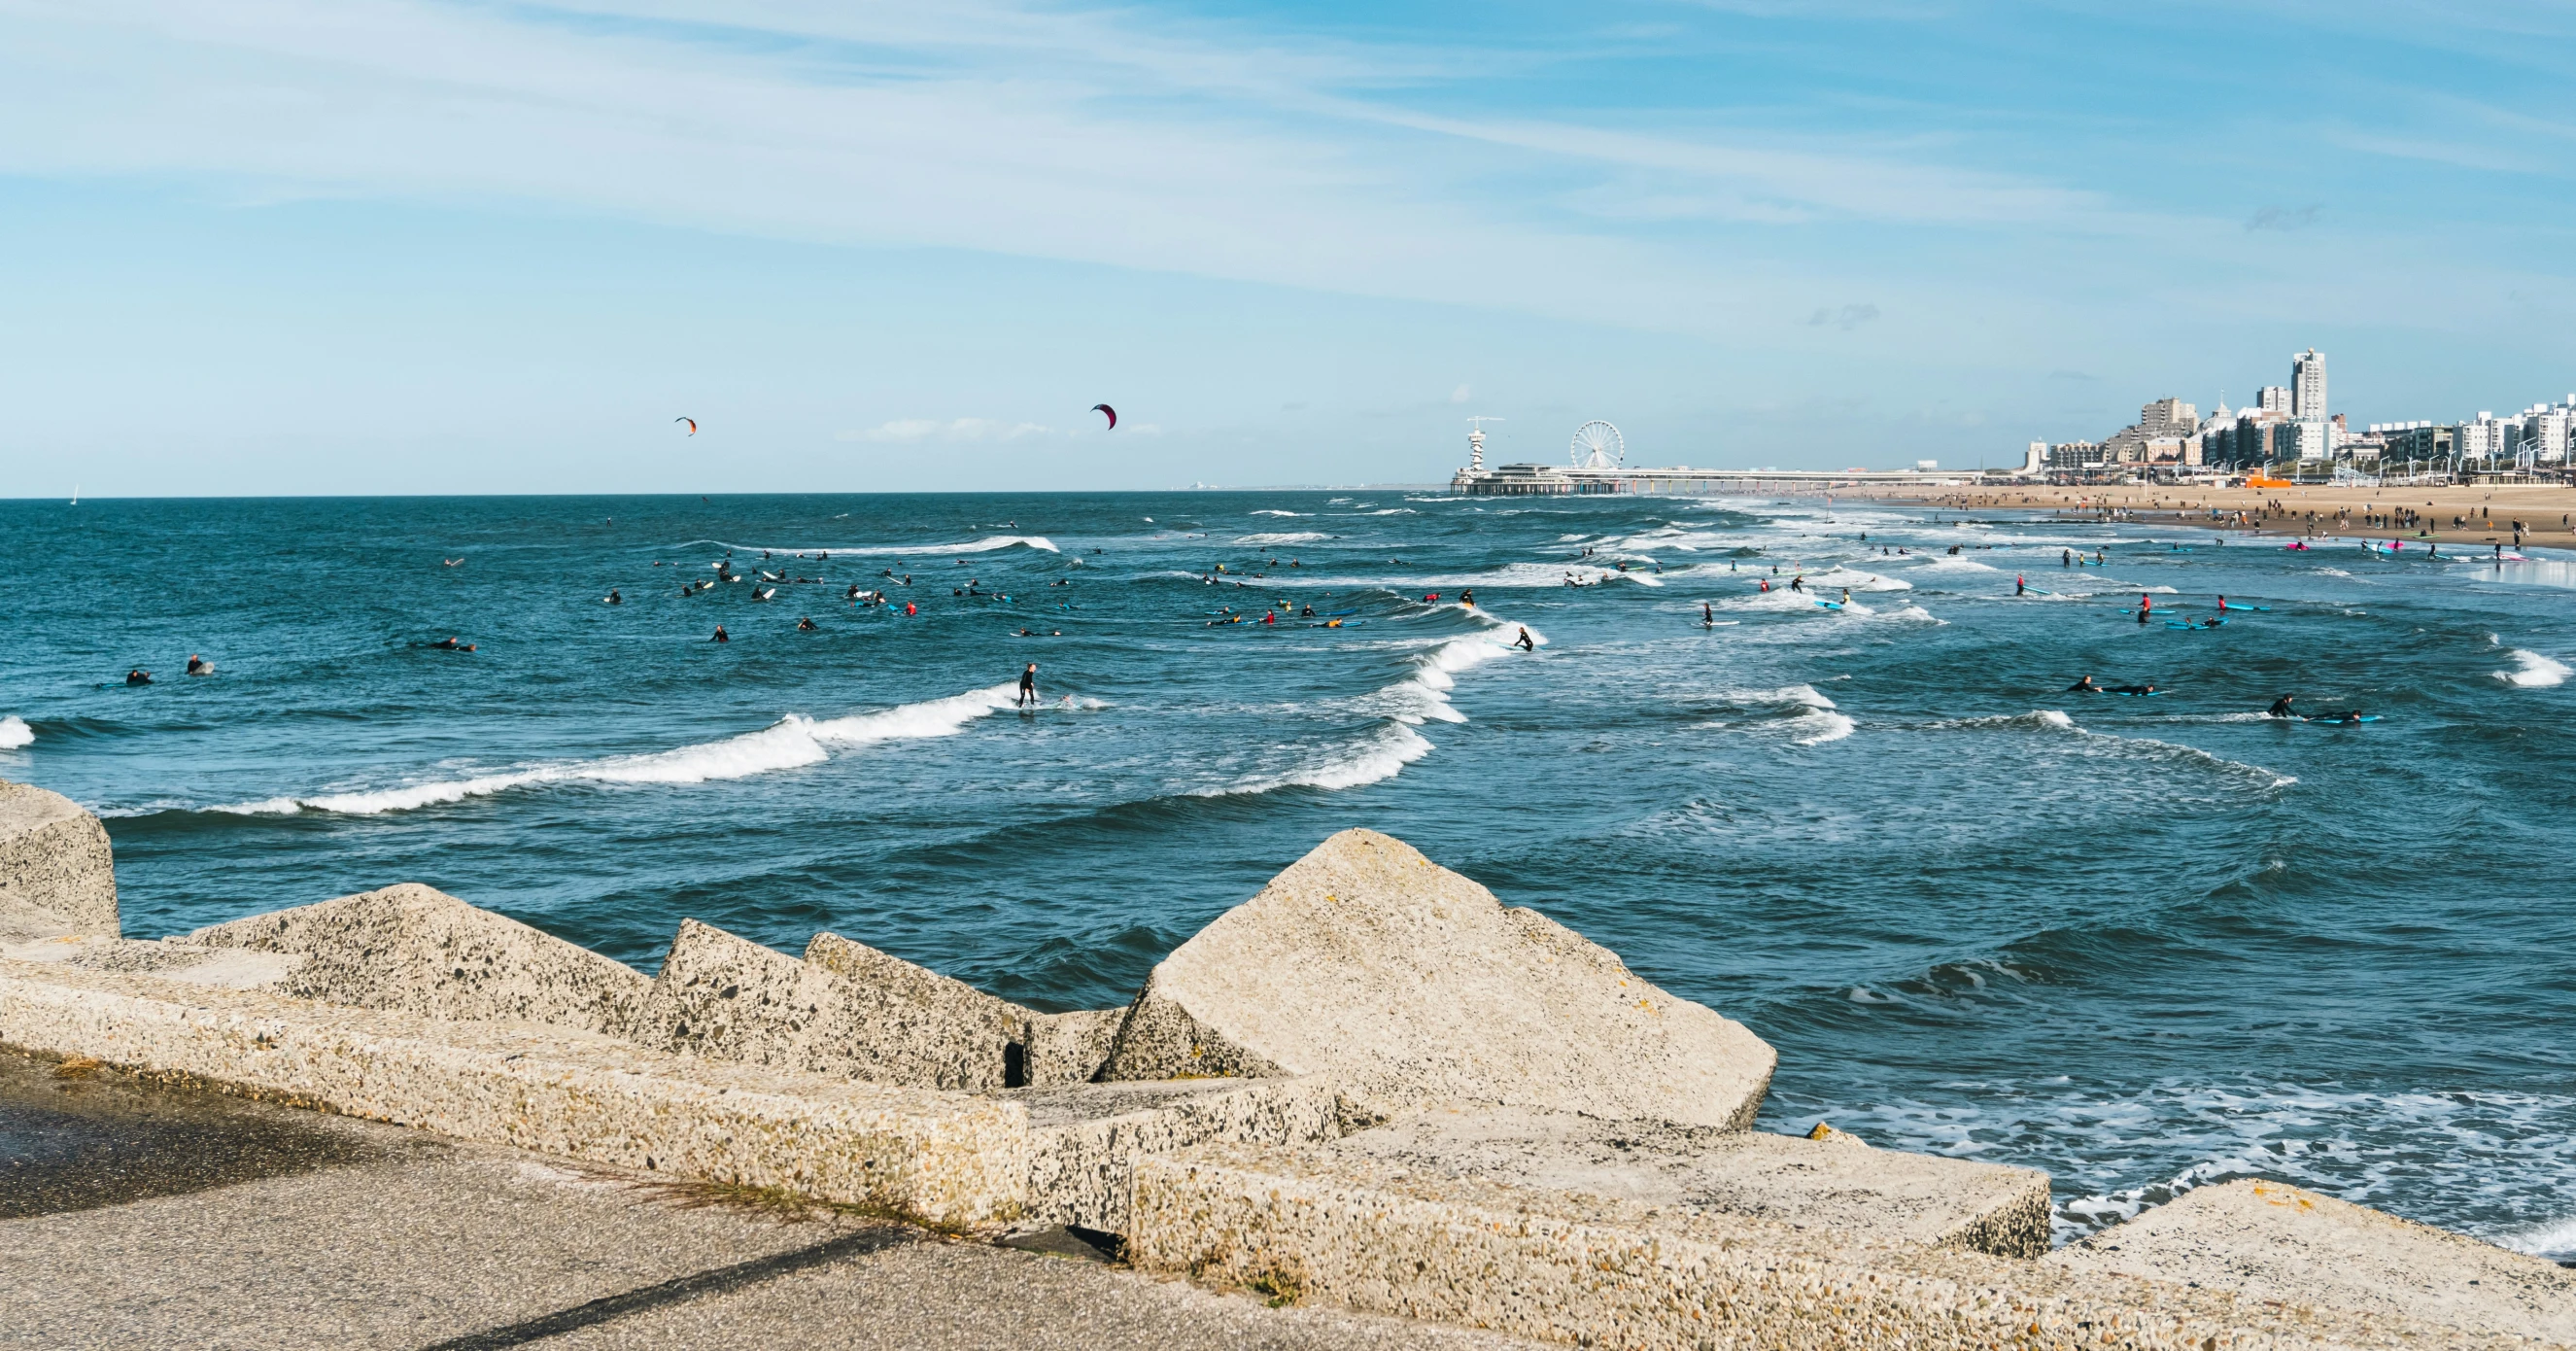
(693, 424)
(1112, 412)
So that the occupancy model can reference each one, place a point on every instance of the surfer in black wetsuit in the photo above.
(721, 636)
(804, 624)
(138, 676)
(199, 666)
(614, 598)
(1029, 686)
(2134, 689)
(2281, 708)
(1707, 616)
(2084, 686)
(1524, 642)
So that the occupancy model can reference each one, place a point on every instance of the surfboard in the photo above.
(2338, 722)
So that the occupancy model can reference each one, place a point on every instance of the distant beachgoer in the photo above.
(720, 637)
(2281, 708)
(1029, 685)
(138, 676)
(199, 666)
(1525, 643)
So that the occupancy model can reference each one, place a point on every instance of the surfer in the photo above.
(2281, 708)
(721, 636)
(2019, 586)
(1846, 595)
(138, 676)
(1707, 616)
(1466, 598)
(1798, 583)
(1029, 686)
(804, 624)
(2084, 686)
(2148, 688)
(614, 598)
(1525, 643)
(2066, 558)
(199, 666)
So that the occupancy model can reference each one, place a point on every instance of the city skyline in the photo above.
(421, 247)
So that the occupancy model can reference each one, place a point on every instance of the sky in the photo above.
(412, 246)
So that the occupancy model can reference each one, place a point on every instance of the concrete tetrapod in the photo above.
(2272, 1241)
(414, 949)
(55, 860)
(1410, 984)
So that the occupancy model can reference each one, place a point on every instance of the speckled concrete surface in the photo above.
(1590, 1270)
(413, 949)
(1411, 984)
(1837, 1184)
(55, 858)
(940, 1157)
(845, 1010)
(2273, 1241)
(1070, 1048)
(1085, 1138)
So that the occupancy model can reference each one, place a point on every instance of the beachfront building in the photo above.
(2305, 439)
(2308, 386)
(2075, 455)
(2273, 399)
(2543, 432)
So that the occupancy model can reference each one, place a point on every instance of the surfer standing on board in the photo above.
(1029, 686)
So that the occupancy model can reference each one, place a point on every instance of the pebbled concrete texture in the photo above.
(2273, 1241)
(188, 963)
(1084, 1139)
(1070, 1048)
(1836, 1184)
(1604, 1271)
(937, 1157)
(414, 949)
(55, 859)
(1411, 984)
(846, 1010)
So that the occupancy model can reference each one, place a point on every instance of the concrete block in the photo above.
(1837, 1184)
(413, 949)
(1070, 1048)
(940, 1158)
(1084, 1139)
(2272, 1241)
(54, 857)
(845, 1010)
(187, 963)
(1411, 984)
(1592, 1270)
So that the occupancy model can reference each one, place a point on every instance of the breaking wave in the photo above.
(2532, 671)
(985, 545)
(789, 743)
(14, 732)
(1290, 537)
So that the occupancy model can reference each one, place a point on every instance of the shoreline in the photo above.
(2550, 511)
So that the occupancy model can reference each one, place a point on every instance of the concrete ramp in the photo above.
(2278, 1242)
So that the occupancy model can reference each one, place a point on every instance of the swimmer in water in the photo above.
(614, 598)
(721, 636)
(138, 676)
(2084, 686)
(2148, 688)
(2281, 708)
(199, 666)
(1525, 643)
(1029, 686)
(805, 625)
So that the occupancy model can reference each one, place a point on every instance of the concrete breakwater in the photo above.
(1371, 1085)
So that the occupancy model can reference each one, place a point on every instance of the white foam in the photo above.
(2044, 718)
(1381, 756)
(984, 545)
(1947, 564)
(14, 732)
(791, 742)
(1290, 537)
(2534, 671)
(1268, 511)
(1911, 614)
(1825, 726)
(2553, 1239)
(1857, 580)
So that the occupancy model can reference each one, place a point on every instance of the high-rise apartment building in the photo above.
(2273, 399)
(2168, 417)
(2308, 386)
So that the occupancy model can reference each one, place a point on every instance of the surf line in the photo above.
(1421, 696)
(791, 742)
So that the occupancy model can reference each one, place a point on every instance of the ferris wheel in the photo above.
(1597, 445)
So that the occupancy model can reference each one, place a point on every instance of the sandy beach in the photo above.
(2487, 513)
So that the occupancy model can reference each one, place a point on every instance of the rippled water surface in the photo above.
(2140, 942)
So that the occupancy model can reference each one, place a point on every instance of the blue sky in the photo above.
(410, 246)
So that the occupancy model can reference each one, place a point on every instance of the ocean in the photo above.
(2144, 943)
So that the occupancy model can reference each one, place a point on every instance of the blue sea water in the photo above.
(2143, 943)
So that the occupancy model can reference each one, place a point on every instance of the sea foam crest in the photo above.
(791, 742)
(985, 545)
(2533, 671)
(14, 732)
(1285, 537)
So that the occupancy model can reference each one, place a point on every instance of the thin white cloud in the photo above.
(911, 431)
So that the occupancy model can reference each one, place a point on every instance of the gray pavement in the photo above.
(136, 1216)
